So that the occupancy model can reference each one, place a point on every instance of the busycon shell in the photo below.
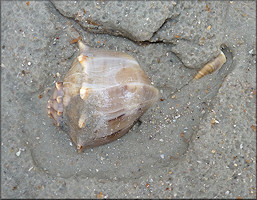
(103, 94)
(212, 66)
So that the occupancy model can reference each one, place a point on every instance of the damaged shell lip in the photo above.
(101, 97)
(101, 141)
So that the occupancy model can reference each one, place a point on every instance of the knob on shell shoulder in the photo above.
(102, 96)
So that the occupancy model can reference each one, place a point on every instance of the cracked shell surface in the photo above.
(101, 97)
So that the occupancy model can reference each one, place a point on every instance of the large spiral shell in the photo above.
(212, 66)
(102, 96)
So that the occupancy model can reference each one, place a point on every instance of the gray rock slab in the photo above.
(196, 31)
(137, 20)
(199, 140)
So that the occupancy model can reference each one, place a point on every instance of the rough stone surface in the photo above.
(137, 20)
(198, 141)
(196, 32)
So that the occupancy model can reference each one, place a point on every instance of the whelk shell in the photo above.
(211, 66)
(102, 96)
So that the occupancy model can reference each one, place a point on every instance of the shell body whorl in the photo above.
(103, 94)
(211, 66)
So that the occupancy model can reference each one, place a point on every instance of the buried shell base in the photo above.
(102, 96)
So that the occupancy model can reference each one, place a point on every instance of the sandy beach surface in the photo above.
(197, 141)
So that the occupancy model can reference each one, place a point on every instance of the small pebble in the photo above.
(209, 27)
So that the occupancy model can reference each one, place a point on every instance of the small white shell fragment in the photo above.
(177, 116)
(18, 153)
(30, 168)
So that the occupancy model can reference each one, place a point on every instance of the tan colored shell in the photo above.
(102, 96)
(212, 66)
